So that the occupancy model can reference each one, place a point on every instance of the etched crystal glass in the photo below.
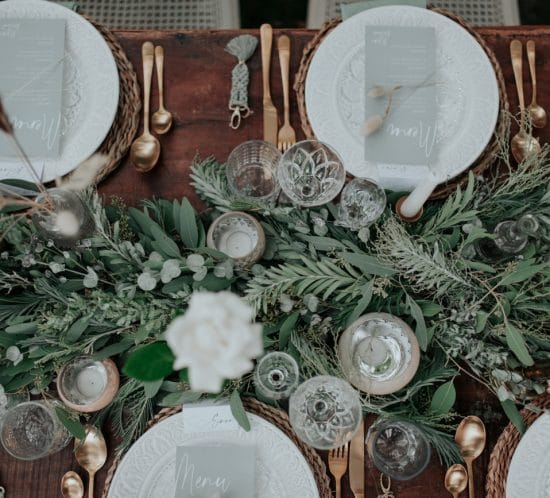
(276, 376)
(398, 449)
(31, 430)
(311, 173)
(362, 202)
(251, 171)
(512, 236)
(325, 412)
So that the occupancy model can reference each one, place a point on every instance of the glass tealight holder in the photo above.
(63, 217)
(251, 170)
(398, 449)
(325, 412)
(276, 375)
(239, 236)
(31, 430)
(379, 353)
(311, 173)
(87, 385)
(362, 202)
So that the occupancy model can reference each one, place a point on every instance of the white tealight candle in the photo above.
(91, 381)
(237, 243)
(375, 352)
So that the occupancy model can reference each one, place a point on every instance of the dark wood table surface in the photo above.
(197, 84)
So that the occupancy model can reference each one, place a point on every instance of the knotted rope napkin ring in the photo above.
(386, 487)
(242, 47)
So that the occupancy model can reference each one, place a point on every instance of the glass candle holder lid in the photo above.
(379, 353)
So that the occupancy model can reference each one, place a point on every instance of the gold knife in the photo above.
(271, 124)
(357, 463)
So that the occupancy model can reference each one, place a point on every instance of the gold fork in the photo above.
(338, 465)
(286, 137)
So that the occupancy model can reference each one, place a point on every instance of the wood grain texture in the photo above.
(197, 85)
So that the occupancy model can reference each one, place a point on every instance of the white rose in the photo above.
(215, 340)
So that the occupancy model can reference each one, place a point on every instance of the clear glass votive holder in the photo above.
(63, 217)
(325, 412)
(87, 385)
(251, 171)
(239, 236)
(31, 430)
(362, 202)
(398, 449)
(276, 375)
(379, 353)
(311, 173)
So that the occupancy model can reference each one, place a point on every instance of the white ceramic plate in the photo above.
(529, 473)
(90, 89)
(148, 469)
(467, 96)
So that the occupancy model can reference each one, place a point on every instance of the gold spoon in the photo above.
(91, 454)
(145, 150)
(522, 143)
(71, 485)
(162, 119)
(537, 112)
(470, 437)
(456, 479)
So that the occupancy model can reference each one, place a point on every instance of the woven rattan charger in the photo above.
(485, 160)
(279, 419)
(126, 122)
(502, 454)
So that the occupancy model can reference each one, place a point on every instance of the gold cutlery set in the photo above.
(91, 455)
(523, 143)
(145, 150)
(338, 464)
(470, 437)
(284, 137)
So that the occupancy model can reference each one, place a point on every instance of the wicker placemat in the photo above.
(279, 419)
(503, 451)
(124, 127)
(485, 159)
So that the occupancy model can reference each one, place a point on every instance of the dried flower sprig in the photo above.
(374, 123)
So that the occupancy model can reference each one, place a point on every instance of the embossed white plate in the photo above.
(90, 89)
(148, 469)
(529, 473)
(466, 86)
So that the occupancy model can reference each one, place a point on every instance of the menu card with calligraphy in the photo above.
(401, 95)
(207, 471)
(31, 83)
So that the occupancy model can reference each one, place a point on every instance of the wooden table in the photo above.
(197, 88)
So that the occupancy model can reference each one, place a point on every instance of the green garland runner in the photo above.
(114, 294)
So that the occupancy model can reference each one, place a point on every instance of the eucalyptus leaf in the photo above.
(71, 424)
(513, 414)
(286, 329)
(516, 342)
(238, 411)
(152, 388)
(188, 228)
(443, 398)
(367, 264)
(420, 330)
(180, 398)
(77, 329)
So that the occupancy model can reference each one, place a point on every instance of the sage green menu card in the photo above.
(400, 99)
(31, 83)
(206, 471)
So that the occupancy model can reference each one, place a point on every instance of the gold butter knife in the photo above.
(357, 463)
(270, 113)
